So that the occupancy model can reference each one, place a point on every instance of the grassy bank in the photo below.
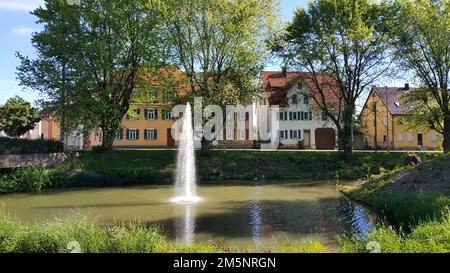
(122, 168)
(426, 237)
(80, 235)
(413, 206)
(408, 196)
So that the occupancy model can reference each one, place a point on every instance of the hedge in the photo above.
(26, 146)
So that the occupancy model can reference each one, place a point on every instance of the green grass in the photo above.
(125, 168)
(132, 237)
(427, 237)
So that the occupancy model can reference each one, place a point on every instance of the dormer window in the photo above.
(294, 99)
(397, 104)
(306, 99)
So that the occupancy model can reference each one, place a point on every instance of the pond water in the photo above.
(241, 214)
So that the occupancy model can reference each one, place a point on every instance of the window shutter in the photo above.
(156, 133)
(145, 134)
(291, 134)
(156, 114)
(310, 116)
(302, 115)
(137, 134)
(298, 115)
(290, 115)
(299, 134)
(286, 134)
(128, 134)
(145, 113)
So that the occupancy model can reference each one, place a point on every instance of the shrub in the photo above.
(25, 180)
(100, 149)
(2, 149)
(26, 146)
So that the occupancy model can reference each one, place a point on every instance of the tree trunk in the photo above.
(108, 139)
(347, 134)
(446, 144)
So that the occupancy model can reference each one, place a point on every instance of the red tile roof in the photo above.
(276, 85)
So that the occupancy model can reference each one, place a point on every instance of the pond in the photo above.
(240, 214)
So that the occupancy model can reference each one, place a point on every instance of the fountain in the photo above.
(185, 188)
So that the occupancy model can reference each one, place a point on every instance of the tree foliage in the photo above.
(345, 41)
(17, 117)
(422, 35)
(90, 57)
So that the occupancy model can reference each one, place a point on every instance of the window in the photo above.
(324, 116)
(294, 134)
(281, 116)
(434, 138)
(281, 134)
(168, 96)
(290, 116)
(400, 137)
(242, 134)
(242, 115)
(306, 115)
(294, 115)
(167, 114)
(136, 114)
(310, 116)
(119, 134)
(151, 114)
(306, 99)
(230, 134)
(384, 138)
(132, 134)
(150, 134)
(410, 137)
(294, 99)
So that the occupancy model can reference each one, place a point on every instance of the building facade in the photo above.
(382, 122)
(301, 123)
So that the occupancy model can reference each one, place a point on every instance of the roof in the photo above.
(276, 85)
(390, 96)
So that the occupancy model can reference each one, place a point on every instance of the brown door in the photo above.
(325, 138)
(307, 139)
(420, 139)
(170, 140)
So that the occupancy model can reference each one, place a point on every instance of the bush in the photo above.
(100, 149)
(2, 149)
(26, 146)
(25, 180)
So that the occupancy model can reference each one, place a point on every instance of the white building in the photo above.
(301, 124)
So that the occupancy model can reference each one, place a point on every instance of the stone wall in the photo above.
(31, 160)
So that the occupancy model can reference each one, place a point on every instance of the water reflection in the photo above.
(254, 211)
(185, 224)
(359, 219)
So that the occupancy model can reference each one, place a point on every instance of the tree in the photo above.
(220, 45)
(422, 34)
(98, 49)
(17, 117)
(343, 44)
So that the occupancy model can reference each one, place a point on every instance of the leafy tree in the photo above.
(422, 34)
(98, 49)
(344, 45)
(17, 117)
(220, 45)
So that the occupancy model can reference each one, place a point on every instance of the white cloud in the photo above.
(20, 5)
(23, 30)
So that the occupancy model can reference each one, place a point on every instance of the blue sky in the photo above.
(16, 26)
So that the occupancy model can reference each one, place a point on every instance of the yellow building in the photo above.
(382, 123)
(149, 127)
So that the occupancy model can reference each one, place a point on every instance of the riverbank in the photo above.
(413, 207)
(154, 167)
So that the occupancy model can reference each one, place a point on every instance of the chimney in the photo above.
(406, 86)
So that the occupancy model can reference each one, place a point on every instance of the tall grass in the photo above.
(427, 237)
